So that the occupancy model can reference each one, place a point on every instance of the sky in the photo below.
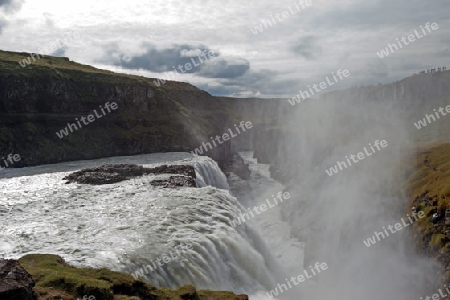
(305, 42)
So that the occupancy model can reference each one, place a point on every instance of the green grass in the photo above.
(61, 68)
(55, 277)
(52, 273)
(437, 241)
(429, 175)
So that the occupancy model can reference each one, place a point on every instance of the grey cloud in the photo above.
(49, 20)
(223, 68)
(255, 81)
(60, 52)
(2, 25)
(167, 60)
(218, 90)
(375, 69)
(308, 47)
(5, 2)
(10, 5)
(411, 67)
(443, 53)
(164, 60)
(379, 14)
(329, 36)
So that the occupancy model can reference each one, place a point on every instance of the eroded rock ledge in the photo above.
(107, 174)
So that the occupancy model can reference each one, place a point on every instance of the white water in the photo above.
(287, 250)
(126, 225)
(208, 173)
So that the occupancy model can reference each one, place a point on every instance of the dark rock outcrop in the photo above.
(107, 174)
(175, 181)
(238, 166)
(173, 169)
(99, 178)
(15, 282)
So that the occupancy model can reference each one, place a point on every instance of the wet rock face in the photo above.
(107, 174)
(97, 178)
(176, 169)
(238, 166)
(34, 108)
(15, 282)
(175, 181)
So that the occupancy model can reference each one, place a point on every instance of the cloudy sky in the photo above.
(303, 46)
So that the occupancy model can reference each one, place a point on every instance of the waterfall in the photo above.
(209, 173)
(127, 226)
(220, 257)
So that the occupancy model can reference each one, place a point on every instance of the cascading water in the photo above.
(209, 173)
(129, 225)
(221, 257)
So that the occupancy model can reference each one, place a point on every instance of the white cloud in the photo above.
(341, 35)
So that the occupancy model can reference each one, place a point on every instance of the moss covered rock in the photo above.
(55, 279)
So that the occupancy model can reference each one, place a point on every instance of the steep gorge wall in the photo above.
(40, 100)
(268, 117)
(412, 98)
(36, 103)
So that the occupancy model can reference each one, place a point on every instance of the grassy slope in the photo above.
(430, 176)
(56, 278)
(48, 65)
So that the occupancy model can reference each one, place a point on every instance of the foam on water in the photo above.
(128, 225)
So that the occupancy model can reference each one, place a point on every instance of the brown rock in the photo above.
(15, 282)
(175, 181)
(107, 174)
(174, 169)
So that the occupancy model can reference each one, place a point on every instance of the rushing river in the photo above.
(127, 226)
(177, 236)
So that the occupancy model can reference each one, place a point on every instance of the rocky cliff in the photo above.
(39, 101)
(45, 100)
